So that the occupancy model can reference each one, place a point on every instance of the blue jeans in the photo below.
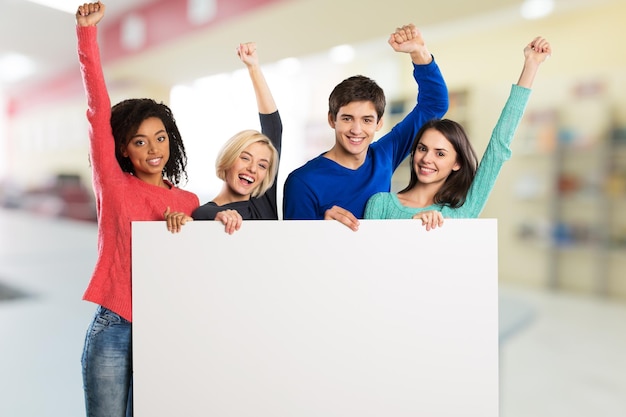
(107, 366)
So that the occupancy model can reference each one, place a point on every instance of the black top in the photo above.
(259, 208)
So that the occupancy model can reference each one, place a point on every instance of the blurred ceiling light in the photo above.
(342, 54)
(201, 11)
(15, 67)
(536, 9)
(62, 5)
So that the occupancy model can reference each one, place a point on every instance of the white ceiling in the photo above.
(296, 27)
(45, 35)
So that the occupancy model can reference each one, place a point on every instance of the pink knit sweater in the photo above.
(121, 198)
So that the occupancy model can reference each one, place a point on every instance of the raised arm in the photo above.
(499, 147)
(102, 147)
(535, 53)
(248, 55)
(432, 98)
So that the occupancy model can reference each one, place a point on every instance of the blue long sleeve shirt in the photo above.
(322, 183)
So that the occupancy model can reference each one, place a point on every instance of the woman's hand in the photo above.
(175, 220)
(89, 14)
(231, 219)
(430, 219)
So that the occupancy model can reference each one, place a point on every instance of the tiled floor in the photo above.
(565, 359)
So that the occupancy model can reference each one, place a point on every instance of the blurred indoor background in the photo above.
(560, 201)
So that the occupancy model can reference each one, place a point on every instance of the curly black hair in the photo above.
(127, 116)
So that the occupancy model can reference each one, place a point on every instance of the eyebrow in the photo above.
(373, 116)
(139, 135)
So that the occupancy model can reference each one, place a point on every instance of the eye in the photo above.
(369, 121)
(263, 166)
(421, 148)
(441, 154)
(139, 142)
(244, 157)
(345, 118)
(162, 138)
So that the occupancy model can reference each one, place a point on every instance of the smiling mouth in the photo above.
(247, 179)
(355, 141)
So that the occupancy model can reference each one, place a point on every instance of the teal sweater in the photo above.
(387, 206)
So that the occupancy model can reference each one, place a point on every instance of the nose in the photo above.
(356, 127)
(427, 157)
(251, 167)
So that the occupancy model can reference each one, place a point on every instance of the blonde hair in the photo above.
(233, 148)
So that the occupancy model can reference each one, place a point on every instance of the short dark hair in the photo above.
(454, 191)
(127, 116)
(356, 88)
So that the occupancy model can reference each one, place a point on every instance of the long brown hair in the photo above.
(455, 188)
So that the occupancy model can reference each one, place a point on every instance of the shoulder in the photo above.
(186, 195)
(311, 167)
(381, 199)
(381, 196)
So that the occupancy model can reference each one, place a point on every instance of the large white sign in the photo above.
(311, 319)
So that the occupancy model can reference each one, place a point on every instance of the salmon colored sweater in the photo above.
(121, 198)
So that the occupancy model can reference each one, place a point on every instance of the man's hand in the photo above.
(343, 216)
(408, 39)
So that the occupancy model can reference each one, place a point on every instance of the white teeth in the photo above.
(247, 178)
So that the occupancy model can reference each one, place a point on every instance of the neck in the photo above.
(227, 196)
(154, 180)
(421, 195)
(346, 160)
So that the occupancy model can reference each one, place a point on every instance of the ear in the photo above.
(123, 151)
(331, 120)
(456, 167)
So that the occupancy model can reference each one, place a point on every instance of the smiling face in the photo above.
(435, 158)
(355, 127)
(248, 171)
(149, 150)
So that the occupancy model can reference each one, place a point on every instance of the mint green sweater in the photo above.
(387, 206)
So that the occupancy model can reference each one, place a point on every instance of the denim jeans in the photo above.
(107, 366)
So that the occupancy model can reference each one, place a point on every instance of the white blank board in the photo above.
(308, 318)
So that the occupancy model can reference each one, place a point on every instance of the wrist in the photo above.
(422, 57)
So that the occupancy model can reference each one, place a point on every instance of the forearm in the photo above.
(91, 69)
(264, 98)
(529, 71)
(432, 97)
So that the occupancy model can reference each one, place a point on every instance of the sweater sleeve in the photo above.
(101, 142)
(497, 152)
